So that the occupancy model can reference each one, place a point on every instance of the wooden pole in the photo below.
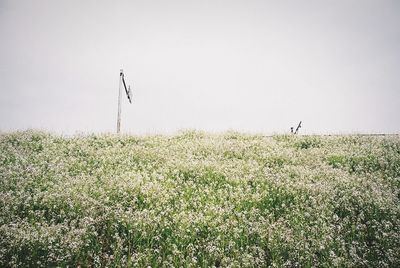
(297, 129)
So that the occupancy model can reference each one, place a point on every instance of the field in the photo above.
(199, 200)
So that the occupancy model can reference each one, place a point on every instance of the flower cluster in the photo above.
(199, 200)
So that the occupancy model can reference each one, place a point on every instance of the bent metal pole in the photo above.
(128, 95)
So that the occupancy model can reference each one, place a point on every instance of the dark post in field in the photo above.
(297, 129)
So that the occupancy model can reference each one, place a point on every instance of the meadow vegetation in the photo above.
(199, 200)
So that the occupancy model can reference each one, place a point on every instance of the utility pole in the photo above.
(128, 94)
(119, 102)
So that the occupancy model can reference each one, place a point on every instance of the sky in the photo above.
(249, 66)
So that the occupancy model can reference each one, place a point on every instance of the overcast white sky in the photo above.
(253, 66)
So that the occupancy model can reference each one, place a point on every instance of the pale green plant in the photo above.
(199, 200)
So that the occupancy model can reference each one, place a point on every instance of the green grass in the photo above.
(199, 200)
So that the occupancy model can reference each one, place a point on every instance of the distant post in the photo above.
(119, 101)
(297, 129)
(128, 94)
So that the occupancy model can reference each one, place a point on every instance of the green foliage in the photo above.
(337, 161)
(199, 200)
(308, 142)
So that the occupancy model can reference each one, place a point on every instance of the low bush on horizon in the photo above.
(199, 200)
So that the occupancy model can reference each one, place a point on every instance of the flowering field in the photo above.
(199, 200)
